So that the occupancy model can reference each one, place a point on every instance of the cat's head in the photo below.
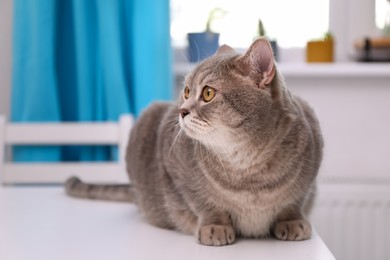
(229, 95)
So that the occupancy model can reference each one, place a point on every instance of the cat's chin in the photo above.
(192, 134)
(190, 131)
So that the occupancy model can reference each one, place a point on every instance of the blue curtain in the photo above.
(78, 60)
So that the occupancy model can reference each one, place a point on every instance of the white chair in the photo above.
(106, 133)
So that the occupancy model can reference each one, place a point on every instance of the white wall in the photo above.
(354, 117)
(350, 20)
(5, 54)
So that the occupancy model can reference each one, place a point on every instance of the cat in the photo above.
(237, 156)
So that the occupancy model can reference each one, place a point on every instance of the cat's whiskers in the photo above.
(238, 154)
(173, 123)
(196, 146)
(195, 128)
(176, 137)
(198, 51)
(207, 137)
(184, 55)
(230, 150)
(226, 148)
(200, 151)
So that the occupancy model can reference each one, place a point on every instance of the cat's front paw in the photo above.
(293, 230)
(216, 235)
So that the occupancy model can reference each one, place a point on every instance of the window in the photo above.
(382, 13)
(291, 23)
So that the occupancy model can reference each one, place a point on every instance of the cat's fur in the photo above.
(242, 164)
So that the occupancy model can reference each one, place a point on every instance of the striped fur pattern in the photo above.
(241, 164)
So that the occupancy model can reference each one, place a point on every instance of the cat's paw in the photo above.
(293, 230)
(216, 235)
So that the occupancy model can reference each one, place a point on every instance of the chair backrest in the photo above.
(106, 133)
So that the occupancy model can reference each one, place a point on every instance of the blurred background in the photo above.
(83, 61)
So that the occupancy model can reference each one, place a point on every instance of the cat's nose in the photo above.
(183, 112)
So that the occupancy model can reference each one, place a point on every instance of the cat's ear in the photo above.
(224, 49)
(259, 61)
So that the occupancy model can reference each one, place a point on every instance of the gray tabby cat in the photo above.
(238, 155)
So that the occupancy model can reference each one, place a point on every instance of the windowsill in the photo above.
(356, 70)
(336, 70)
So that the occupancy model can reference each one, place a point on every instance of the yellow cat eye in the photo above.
(208, 93)
(186, 92)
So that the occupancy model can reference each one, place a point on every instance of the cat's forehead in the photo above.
(212, 70)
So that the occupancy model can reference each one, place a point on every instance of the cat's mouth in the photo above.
(194, 127)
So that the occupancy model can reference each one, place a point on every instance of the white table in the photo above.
(41, 223)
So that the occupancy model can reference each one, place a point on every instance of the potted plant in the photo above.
(204, 44)
(320, 50)
(262, 33)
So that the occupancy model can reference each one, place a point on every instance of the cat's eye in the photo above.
(208, 93)
(186, 92)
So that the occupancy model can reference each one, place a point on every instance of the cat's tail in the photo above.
(116, 192)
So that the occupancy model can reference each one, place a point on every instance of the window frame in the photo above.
(348, 20)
